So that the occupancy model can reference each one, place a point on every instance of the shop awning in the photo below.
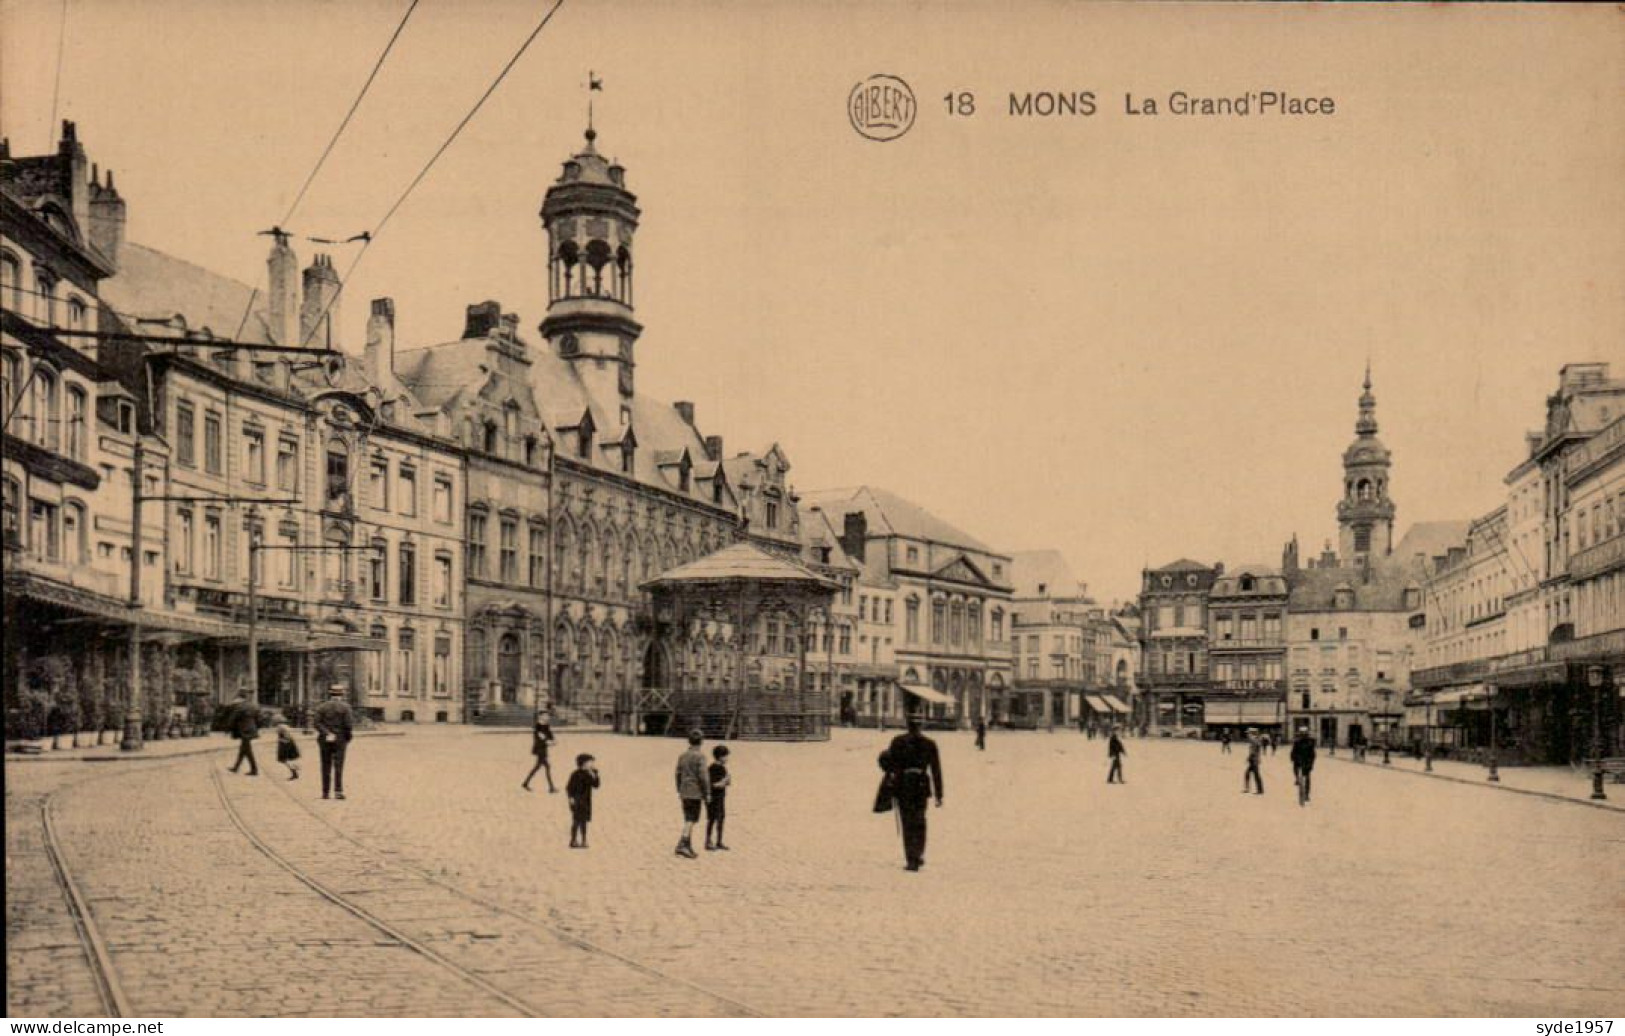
(1096, 703)
(1117, 706)
(924, 693)
(1460, 696)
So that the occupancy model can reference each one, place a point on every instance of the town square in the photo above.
(500, 530)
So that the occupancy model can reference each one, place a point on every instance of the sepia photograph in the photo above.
(813, 509)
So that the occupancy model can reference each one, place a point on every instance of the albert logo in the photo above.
(881, 107)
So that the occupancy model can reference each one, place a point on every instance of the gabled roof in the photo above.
(890, 515)
(1030, 569)
(742, 562)
(157, 286)
(818, 533)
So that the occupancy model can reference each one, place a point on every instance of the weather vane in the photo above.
(593, 83)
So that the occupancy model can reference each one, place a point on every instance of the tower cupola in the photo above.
(1365, 515)
(591, 219)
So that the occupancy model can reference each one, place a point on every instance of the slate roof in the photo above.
(1184, 565)
(1031, 568)
(157, 286)
(440, 375)
(818, 531)
(1315, 589)
(890, 515)
(739, 562)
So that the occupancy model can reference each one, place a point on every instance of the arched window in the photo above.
(587, 574)
(973, 622)
(11, 379)
(563, 546)
(45, 285)
(73, 534)
(1363, 490)
(76, 313)
(911, 620)
(598, 257)
(491, 442)
(939, 623)
(569, 257)
(78, 410)
(623, 264)
(11, 282)
(46, 410)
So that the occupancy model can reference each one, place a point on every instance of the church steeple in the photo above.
(1365, 515)
(591, 218)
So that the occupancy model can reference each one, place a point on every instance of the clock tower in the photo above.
(590, 218)
(1365, 515)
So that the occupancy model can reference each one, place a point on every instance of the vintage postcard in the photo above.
(806, 509)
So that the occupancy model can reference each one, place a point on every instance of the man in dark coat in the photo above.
(1115, 749)
(916, 778)
(333, 732)
(245, 727)
(981, 733)
(1303, 762)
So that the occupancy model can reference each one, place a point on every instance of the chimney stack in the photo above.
(685, 410)
(283, 278)
(378, 359)
(319, 316)
(510, 327)
(484, 319)
(713, 447)
(855, 536)
(106, 217)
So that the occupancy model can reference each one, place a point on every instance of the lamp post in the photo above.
(1494, 776)
(1427, 739)
(1594, 677)
(1387, 722)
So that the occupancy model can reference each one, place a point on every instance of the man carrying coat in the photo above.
(333, 732)
(245, 727)
(916, 777)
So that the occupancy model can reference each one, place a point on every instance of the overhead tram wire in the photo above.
(418, 179)
(376, 66)
(344, 123)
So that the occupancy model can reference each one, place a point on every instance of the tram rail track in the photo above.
(727, 1004)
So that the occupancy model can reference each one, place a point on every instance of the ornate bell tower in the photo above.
(1365, 515)
(590, 218)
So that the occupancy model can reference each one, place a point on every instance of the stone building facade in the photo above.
(1175, 674)
(947, 596)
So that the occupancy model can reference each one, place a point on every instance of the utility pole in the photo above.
(132, 713)
(253, 606)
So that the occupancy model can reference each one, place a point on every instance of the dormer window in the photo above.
(627, 453)
(489, 441)
(1246, 584)
(530, 451)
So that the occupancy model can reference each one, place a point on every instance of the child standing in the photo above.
(287, 749)
(579, 791)
(716, 807)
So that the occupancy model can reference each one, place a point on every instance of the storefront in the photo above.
(1237, 715)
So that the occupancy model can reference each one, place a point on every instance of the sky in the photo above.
(1128, 338)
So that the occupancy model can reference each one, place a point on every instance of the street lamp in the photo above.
(1427, 738)
(1387, 721)
(1494, 774)
(1595, 676)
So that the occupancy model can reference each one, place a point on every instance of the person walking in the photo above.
(334, 728)
(541, 736)
(693, 788)
(1303, 764)
(578, 789)
(1255, 750)
(716, 807)
(1224, 742)
(287, 749)
(245, 727)
(915, 769)
(981, 734)
(1115, 749)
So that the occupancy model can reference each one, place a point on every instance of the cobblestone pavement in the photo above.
(1046, 891)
